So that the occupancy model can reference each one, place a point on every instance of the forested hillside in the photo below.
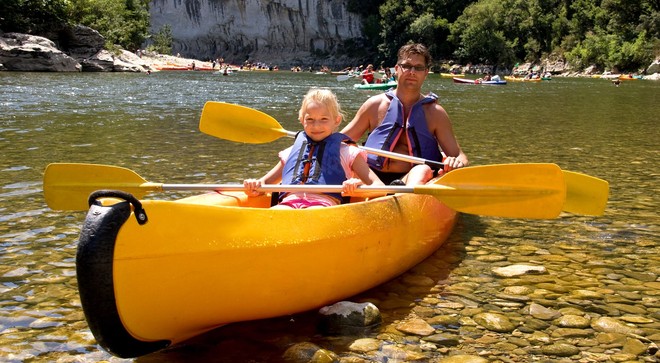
(621, 35)
(611, 34)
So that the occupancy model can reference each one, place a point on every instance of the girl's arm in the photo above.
(365, 176)
(274, 176)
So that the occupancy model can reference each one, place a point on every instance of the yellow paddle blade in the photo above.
(585, 194)
(67, 186)
(239, 123)
(533, 191)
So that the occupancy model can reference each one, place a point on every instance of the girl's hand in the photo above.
(251, 187)
(349, 186)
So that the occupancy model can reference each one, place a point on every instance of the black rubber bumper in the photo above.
(94, 270)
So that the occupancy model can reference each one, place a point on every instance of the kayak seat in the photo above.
(228, 199)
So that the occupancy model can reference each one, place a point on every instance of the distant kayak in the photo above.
(452, 75)
(518, 79)
(171, 67)
(381, 86)
(479, 82)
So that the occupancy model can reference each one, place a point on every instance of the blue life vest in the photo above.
(315, 163)
(421, 141)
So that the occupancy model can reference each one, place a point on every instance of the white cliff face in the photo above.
(261, 30)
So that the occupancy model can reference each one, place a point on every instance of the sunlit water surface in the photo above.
(149, 123)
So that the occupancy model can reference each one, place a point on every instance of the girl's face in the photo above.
(318, 122)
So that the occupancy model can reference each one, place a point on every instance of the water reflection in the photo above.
(150, 124)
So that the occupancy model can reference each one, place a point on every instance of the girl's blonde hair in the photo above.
(323, 96)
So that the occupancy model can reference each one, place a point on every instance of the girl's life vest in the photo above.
(315, 163)
(421, 143)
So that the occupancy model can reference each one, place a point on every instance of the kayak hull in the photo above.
(376, 86)
(477, 82)
(218, 258)
(518, 79)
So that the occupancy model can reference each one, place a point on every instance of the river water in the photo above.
(597, 267)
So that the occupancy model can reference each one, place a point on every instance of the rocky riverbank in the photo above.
(82, 49)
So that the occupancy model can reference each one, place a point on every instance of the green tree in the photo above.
(123, 22)
(33, 16)
(162, 41)
(480, 37)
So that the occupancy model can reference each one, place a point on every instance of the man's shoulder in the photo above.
(435, 113)
(379, 98)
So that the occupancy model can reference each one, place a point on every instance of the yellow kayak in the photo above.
(452, 75)
(520, 79)
(217, 258)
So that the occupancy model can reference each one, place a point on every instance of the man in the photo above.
(368, 75)
(407, 122)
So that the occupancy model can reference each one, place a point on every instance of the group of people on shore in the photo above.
(402, 120)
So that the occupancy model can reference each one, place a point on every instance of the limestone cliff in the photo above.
(262, 30)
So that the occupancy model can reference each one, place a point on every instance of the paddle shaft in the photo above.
(288, 188)
(344, 77)
(507, 190)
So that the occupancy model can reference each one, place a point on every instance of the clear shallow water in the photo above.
(150, 124)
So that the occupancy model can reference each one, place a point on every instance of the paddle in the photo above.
(585, 194)
(344, 77)
(507, 190)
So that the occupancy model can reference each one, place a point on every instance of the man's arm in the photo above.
(441, 127)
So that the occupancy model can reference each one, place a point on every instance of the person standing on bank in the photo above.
(407, 122)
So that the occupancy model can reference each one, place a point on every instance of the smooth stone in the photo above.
(623, 358)
(324, 356)
(519, 342)
(630, 309)
(633, 346)
(518, 270)
(641, 276)
(611, 325)
(517, 290)
(543, 313)
(444, 320)
(573, 321)
(539, 338)
(494, 322)
(416, 326)
(347, 317)
(554, 287)
(536, 324)
(445, 340)
(636, 319)
(462, 358)
(365, 345)
(450, 305)
(586, 294)
(300, 352)
(560, 350)
(570, 333)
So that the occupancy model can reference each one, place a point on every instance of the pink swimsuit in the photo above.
(299, 203)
